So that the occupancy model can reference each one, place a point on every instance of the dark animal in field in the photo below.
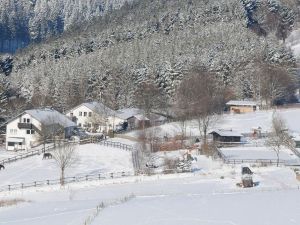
(2, 167)
(47, 155)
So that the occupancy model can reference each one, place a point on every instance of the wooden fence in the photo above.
(117, 145)
(27, 154)
(67, 180)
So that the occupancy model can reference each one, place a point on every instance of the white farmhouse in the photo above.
(24, 131)
(95, 116)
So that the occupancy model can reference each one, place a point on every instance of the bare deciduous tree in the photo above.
(200, 97)
(278, 137)
(65, 156)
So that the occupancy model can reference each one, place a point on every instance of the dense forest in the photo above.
(107, 56)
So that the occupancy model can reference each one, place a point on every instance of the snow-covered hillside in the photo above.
(92, 159)
(243, 123)
(170, 199)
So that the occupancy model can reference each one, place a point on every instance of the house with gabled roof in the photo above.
(95, 116)
(23, 131)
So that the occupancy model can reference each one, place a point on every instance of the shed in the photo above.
(226, 136)
(138, 121)
(243, 106)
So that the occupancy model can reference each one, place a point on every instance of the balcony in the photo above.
(27, 126)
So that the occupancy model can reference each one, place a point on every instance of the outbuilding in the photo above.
(242, 106)
(226, 136)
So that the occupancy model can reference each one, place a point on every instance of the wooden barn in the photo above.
(227, 136)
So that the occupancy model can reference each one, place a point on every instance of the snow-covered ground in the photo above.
(253, 153)
(201, 198)
(207, 196)
(243, 123)
(91, 159)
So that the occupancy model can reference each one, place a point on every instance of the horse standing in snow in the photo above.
(47, 155)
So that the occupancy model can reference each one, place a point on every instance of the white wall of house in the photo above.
(13, 132)
(85, 115)
(114, 121)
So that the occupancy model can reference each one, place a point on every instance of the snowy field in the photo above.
(91, 159)
(243, 123)
(253, 153)
(189, 199)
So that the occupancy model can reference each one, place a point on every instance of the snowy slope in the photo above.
(91, 159)
(242, 123)
(170, 199)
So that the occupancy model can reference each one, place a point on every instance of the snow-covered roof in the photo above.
(128, 112)
(242, 103)
(227, 133)
(99, 107)
(50, 116)
(140, 117)
(96, 107)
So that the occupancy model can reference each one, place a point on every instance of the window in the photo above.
(11, 144)
(24, 120)
(30, 131)
(80, 113)
(90, 114)
(85, 113)
(79, 124)
(28, 120)
(11, 131)
(15, 131)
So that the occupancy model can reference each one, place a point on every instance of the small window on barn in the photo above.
(90, 114)
(28, 120)
(32, 132)
(27, 131)
(80, 113)
(85, 113)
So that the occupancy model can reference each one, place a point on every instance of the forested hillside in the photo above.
(26, 21)
(158, 41)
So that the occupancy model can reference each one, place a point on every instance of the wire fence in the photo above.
(67, 180)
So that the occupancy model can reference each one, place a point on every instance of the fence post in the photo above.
(48, 182)
(99, 176)
(9, 187)
(123, 174)
(35, 183)
(22, 185)
(112, 175)
(87, 177)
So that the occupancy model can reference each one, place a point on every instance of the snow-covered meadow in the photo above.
(243, 123)
(91, 159)
(200, 198)
(209, 195)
